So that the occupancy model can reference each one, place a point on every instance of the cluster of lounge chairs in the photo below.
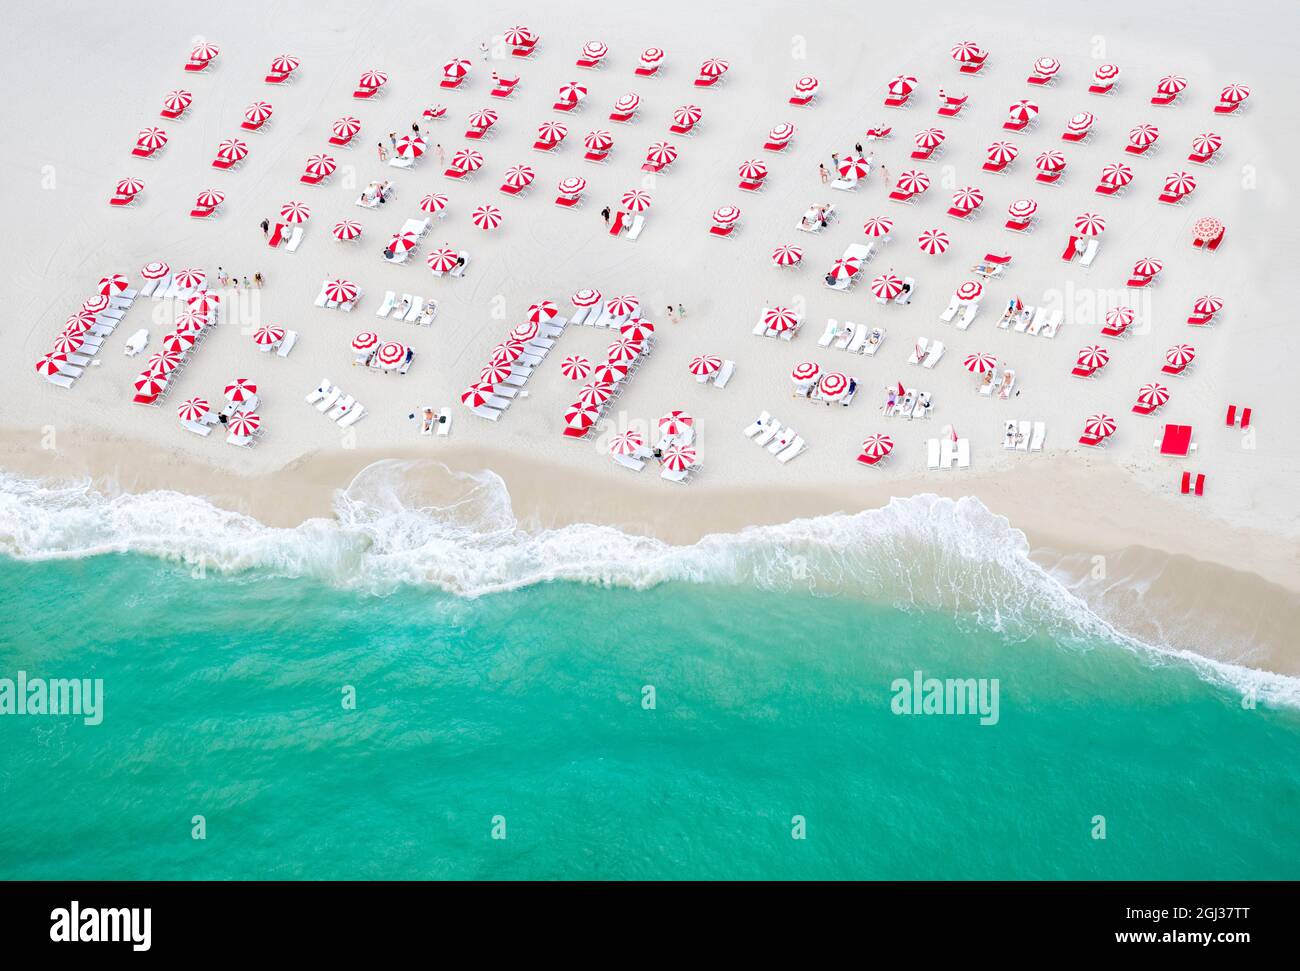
(783, 442)
(331, 401)
(851, 337)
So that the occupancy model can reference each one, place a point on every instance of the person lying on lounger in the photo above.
(404, 307)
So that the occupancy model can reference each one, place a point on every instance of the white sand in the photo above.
(68, 140)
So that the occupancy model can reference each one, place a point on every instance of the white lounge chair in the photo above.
(951, 310)
(385, 308)
(417, 308)
(949, 457)
(321, 391)
(638, 224)
(859, 341)
(341, 407)
(1040, 432)
(932, 453)
(724, 374)
(197, 427)
(768, 433)
(963, 453)
(321, 298)
(444, 422)
(295, 240)
(905, 295)
(919, 351)
(932, 357)
(757, 425)
(1090, 253)
(353, 416)
(60, 380)
(782, 440)
(137, 342)
(972, 310)
(795, 448)
(1051, 324)
(327, 402)
(830, 333)
(286, 345)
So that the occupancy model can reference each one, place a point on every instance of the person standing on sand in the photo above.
(821, 170)
(392, 138)
(438, 149)
(884, 174)
(266, 228)
(257, 280)
(681, 311)
(605, 212)
(857, 147)
(383, 155)
(415, 127)
(672, 314)
(222, 278)
(483, 49)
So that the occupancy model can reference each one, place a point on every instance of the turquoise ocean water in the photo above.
(223, 698)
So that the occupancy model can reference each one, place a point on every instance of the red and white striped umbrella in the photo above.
(1206, 143)
(1180, 183)
(877, 446)
(806, 372)
(1141, 136)
(572, 92)
(1050, 161)
(295, 212)
(781, 318)
(1119, 317)
(714, 67)
(980, 363)
(595, 393)
(507, 352)
(341, 291)
(346, 229)
(1116, 174)
(687, 115)
(636, 200)
(786, 255)
(845, 268)
(190, 279)
(1022, 208)
(518, 36)
(204, 302)
(67, 344)
(266, 336)
(855, 167)
(1089, 224)
(933, 242)
(626, 103)
(1234, 94)
(258, 112)
(902, 85)
(178, 343)
(552, 131)
(1171, 84)
(609, 371)
(347, 126)
(1094, 356)
(477, 395)
(913, 181)
(150, 385)
(320, 165)
(443, 259)
(1099, 425)
(598, 140)
(1153, 395)
(1002, 153)
(753, 170)
(1023, 111)
(542, 312)
(626, 443)
(887, 286)
(878, 227)
(155, 270)
(726, 215)
(968, 198)
(193, 409)
(79, 323)
(623, 349)
(190, 322)
(434, 202)
(1107, 72)
(112, 284)
(575, 367)
(929, 138)
(403, 242)
(151, 139)
(1081, 122)
(457, 67)
(483, 119)
(1207, 306)
(833, 384)
(1147, 267)
(1180, 355)
(807, 85)
(520, 176)
(410, 146)
(594, 50)
(232, 150)
(240, 389)
(661, 153)
(623, 306)
(703, 365)
(523, 332)
(204, 51)
(581, 417)
(364, 341)
(678, 458)
(651, 56)
(178, 101)
(96, 304)
(586, 298)
(285, 64)
(637, 330)
(970, 290)
(675, 422)
(1045, 67)
(244, 424)
(781, 133)
(571, 186)
(390, 354)
(967, 51)
(486, 216)
(51, 364)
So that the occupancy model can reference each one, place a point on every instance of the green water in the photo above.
(223, 699)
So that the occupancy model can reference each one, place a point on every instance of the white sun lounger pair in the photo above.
(759, 424)
(724, 374)
(1090, 253)
(957, 453)
(972, 309)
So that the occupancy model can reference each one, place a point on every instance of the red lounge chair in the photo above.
(365, 92)
(866, 459)
(168, 113)
(597, 157)
(1101, 88)
(707, 81)
(723, 232)
(802, 101)
(525, 50)
(1010, 125)
(335, 140)
(202, 213)
(622, 116)
(542, 146)
(1227, 109)
(1186, 486)
(1109, 331)
(1200, 483)
(1091, 441)
(896, 102)
(588, 63)
(1196, 321)
(1105, 189)
(512, 190)
(654, 167)
(577, 432)
(120, 200)
(1075, 136)
(924, 154)
(751, 186)
(568, 202)
(253, 125)
(775, 146)
(196, 66)
(1135, 150)
(1245, 417)
(455, 173)
(1163, 100)
(619, 224)
(1083, 372)
(974, 67)
(1071, 249)
(995, 167)
(477, 133)
(879, 132)
(681, 129)
(452, 83)
(957, 213)
(1200, 159)
(224, 163)
(308, 179)
(1139, 282)
(1169, 199)
(1171, 369)
(565, 105)
(952, 107)
(646, 72)
(1019, 225)
(1049, 178)
(899, 196)
(1213, 244)
(1231, 419)
(277, 235)
(278, 78)
(141, 152)
(997, 260)
(1141, 409)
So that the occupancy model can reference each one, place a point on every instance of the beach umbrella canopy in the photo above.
(240, 389)
(1171, 84)
(1116, 174)
(467, 160)
(572, 92)
(151, 139)
(1081, 122)
(285, 64)
(320, 165)
(457, 67)
(781, 133)
(294, 212)
(913, 181)
(687, 115)
(243, 424)
(878, 227)
(1207, 306)
(111, 285)
(580, 417)
(150, 385)
(1022, 208)
(571, 186)
(705, 364)
(786, 255)
(268, 335)
(204, 51)
(1023, 111)
(341, 291)
(968, 198)
(258, 112)
(623, 306)
(155, 271)
(1106, 73)
(410, 146)
(193, 410)
(1119, 317)
(1206, 143)
(129, 186)
(232, 150)
(96, 304)
(190, 322)
(726, 215)
(67, 343)
(980, 363)
(806, 85)
(1234, 94)
(575, 367)
(661, 153)
(178, 100)
(1153, 395)
(347, 126)
(594, 50)
(1180, 183)
(966, 51)
(364, 341)
(637, 330)
(675, 422)
(845, 267)
(518, 36)
(805, 372)
(443, 259)
(833, 384)
(52, 363)
(483, 119)
(1089, 224)
(1180, 355)
(507, 352)
(598, 140)
(714, 67)
(902, 85)
(586, 298)
(164, 362)
(622, 349)
(627, 102)
(1147, 267)
(636, 200)
(887, 286)
(782, 318)
(477, 395)
(1045, 67)
(1002, 153)
(79, 323)
(390, 354)
(877, 446)
(933, 242)
(190, 279)
(542, 312)
(520, 176)
(1099, 425)
(929, 138)
(1094, 356)
(203, 302)
(433, 202)
(346, 229)
(970, 290)
(403, 242)
(626, 443)
(552, 131)
(177, 343)
(1140, 136)
(610, 371)
(651, 56)
(486, 216)
(1050, 161)
(753, 170)
(678, 458)
(854, 167)
(595, 393)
